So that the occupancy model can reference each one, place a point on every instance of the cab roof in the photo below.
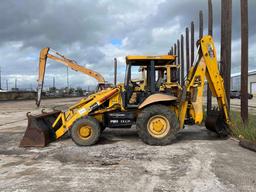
(144, 60)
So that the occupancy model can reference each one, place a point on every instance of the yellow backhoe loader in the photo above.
(158, 114)
(46, 53)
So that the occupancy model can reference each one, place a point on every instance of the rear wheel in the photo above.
(157, 125)
(86, 131)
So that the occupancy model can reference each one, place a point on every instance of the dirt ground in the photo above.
(197, 161)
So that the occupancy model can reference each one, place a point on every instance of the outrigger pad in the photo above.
(39, 132)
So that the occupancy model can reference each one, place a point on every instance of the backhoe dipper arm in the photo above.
(41, 73)
(44, 54)
(205, 66)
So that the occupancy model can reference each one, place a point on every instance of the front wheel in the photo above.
(157, 125)
(86, 131)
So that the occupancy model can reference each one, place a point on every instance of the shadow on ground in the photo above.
(187, 134)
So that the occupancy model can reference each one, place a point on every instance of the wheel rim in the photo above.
(84, 131)
(158, 126)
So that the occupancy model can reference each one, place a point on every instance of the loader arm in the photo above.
(48, 127)
(44, 55)
(205, 67)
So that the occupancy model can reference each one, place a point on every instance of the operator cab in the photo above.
(146, 75)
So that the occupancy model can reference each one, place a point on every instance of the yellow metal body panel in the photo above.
(158, 97)
(88, 106)
(207, 66)
(213, 75)
(197, 89)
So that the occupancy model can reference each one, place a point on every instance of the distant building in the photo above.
(236, 82)
(17, 95)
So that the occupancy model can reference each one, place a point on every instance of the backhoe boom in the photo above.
(206, 66)
(44, 55)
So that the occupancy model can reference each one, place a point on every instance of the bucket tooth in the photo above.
(39, 132)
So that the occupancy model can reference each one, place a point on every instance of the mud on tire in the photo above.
(142, 125)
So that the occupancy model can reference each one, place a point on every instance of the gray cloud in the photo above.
(83, 30)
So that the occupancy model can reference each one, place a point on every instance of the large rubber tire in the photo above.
(95, 131)
(148, 113)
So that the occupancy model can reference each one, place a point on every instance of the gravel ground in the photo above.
(197, 161)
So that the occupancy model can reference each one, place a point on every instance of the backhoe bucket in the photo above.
(39, 132)
(216, 123)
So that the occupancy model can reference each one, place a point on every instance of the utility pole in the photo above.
(175, 53)
(175, 50)
(210, 18)
(182, 59)
(178, 61)
(15, 84)
(226, 41)
(7, 85)
(187, 50)
(244, 60)
(67, 79)
(53, 82)
(201, 24)
(210, 32)
(115, 70)
(192, 43)
(171, 52)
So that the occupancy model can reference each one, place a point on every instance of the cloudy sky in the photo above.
(93, 32)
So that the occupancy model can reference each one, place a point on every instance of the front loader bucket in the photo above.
(39, 132)
(216, 123)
